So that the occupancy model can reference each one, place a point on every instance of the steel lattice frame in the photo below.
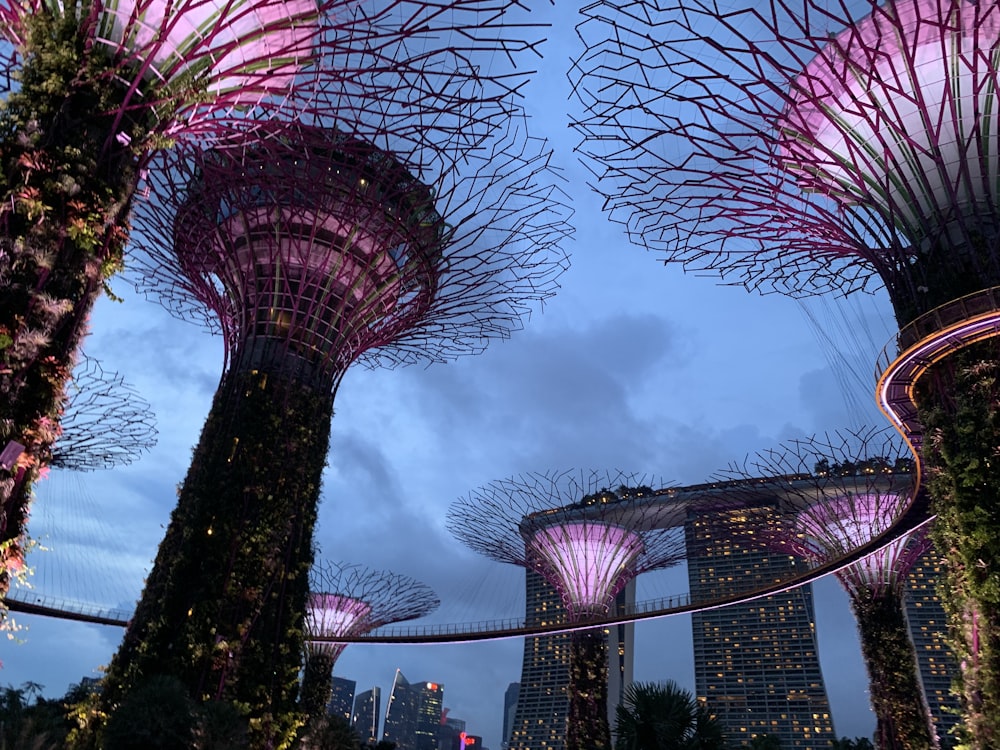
(312, 246)
(808, 147)
(349, 599)
(107, 422)
(801, 146)
(844, 512)
(849, 516)
(431, 265)
(344, 601)
(587, 534)
(587, 539)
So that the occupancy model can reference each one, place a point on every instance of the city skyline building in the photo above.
(928, 627)
(341, 698)
(366, 719)
(510, 700)
(756, 664)
(413, 714)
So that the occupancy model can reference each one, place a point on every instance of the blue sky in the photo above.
(631, 366)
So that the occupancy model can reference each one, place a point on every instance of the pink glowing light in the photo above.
(588, 561)
(311, 244)
(238, 52)
(833, 528)
(898, 110)
(332, 615)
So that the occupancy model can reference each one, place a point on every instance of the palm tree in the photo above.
(662, 715)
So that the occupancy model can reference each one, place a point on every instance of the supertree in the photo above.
(859, 483)
(105, 423)
(311, 248)
(807, 147)
(587, 535)
(347, 600)
(94, 87)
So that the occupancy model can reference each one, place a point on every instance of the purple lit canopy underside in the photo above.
(779, 142)
(833, 528)
(588, 562)
(323, 246)
(575, 530)
(347, 600)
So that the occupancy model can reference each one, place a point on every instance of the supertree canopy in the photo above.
(850, 513)
(311, 249)
(809, 146)
(587, 535)
(93, 88)
(107, 422)
(803, 146)
(347, 600)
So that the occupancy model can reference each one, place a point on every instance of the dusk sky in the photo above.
(631, 366)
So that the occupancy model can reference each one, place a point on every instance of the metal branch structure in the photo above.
(107, 422)
(345, 601)
(811, 146)
(587, 535)
(849, 516)
(311, 248)
(802, 146)
(94, 88)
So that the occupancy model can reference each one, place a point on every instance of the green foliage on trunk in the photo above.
(960, 410)
(901, 714)
(317, 684)
(66, 183)
(223, 607)
(587, 725)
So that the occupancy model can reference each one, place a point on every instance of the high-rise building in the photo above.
(542, 705)
(756, 664)
(367, 710)
(450, 733)
(509, 708)
(413, 714)
(936, 666)
(342, 699)
(430, 708)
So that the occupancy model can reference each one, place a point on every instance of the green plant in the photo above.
(960, 411)
(664, 716)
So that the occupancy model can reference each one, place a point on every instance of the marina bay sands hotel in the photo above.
(757, 665)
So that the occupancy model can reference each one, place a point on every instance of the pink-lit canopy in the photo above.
(586, 534)
(348, 600)
(242, 50)
(308, 242)
(834, 527)
(334, 614)
(900, 109)
(589, 562)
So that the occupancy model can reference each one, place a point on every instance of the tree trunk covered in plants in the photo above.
(223, 607)
(587, 726)
(960, 411)
(317, 684)
(67, 183)
(902, 718)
